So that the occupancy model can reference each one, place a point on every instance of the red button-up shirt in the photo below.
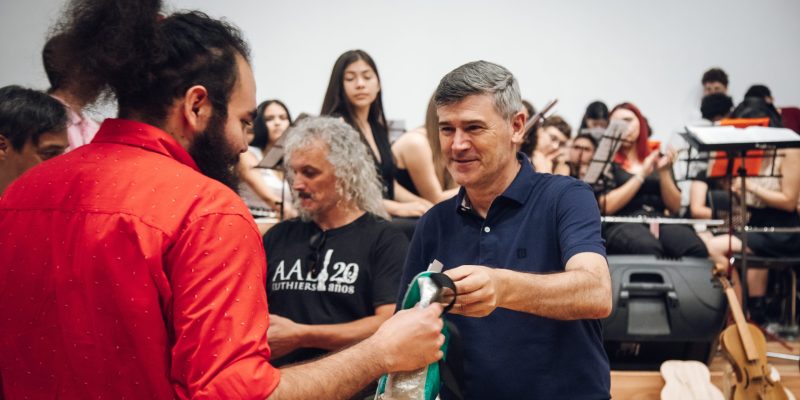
(126, 273)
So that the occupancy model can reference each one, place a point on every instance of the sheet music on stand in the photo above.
(725, 138)
(740, 145)
(720, 151)
(608, 146)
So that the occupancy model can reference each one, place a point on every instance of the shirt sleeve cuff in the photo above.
(583, 248)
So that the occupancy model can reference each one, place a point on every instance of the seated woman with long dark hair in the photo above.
(354, 94)
(263, 188)
(642, 183)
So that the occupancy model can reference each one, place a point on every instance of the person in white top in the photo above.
(263, 188)
(70, 92)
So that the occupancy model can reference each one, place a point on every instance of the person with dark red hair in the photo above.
(642, 183)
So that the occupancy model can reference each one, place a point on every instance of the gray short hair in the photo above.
(480, 77)
(356, 176)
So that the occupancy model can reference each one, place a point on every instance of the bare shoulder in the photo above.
(410, 146)
(248, 159)
(412, 139)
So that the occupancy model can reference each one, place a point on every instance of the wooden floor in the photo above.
(646, 385)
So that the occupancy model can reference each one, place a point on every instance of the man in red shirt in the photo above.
(125, 270)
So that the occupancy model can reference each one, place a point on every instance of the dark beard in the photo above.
(214, 156)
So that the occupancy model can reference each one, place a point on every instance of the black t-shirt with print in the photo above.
(358, 268)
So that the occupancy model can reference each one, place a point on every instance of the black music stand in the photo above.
(735, 143)
(598, 171)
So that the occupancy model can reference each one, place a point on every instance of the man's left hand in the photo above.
(478, 290)
(283, 335)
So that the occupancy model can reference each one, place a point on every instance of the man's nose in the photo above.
(243, 143)
(460, 141)
(298, 183)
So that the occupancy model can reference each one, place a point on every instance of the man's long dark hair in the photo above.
(145, 60)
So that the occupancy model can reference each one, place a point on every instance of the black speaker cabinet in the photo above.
(664, 309)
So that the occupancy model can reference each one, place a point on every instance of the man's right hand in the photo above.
(411, 339)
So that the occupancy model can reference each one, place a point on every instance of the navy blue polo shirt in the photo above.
(535, 226)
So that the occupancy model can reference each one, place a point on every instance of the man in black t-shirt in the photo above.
(333, 274)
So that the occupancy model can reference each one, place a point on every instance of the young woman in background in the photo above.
(354, 94)
(263, 188)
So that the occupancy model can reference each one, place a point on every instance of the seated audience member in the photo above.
(580, 154)
(70, 90)
(595, 119)
(129, 267)
(642, 183)
(264, 188)
(790, 116)
(333, 274)
(354, 94)
(32, 129)
(715, 107)
(761, 92)
(552, 138)
(771, 202)
(715, 80)
(418, 157)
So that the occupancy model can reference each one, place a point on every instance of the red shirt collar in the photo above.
(139, 134)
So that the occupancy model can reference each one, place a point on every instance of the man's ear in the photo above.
(196, 109)
(5, 145)
(518, 128)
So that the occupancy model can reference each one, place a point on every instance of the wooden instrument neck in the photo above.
(741, 323)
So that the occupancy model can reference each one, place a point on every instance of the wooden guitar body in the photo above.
(744, 346)
(753, 380)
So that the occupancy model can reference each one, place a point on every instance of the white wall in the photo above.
(651, 53)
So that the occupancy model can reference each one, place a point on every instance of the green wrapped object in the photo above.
(423, 384)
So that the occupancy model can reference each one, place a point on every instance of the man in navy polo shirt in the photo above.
(523, 248)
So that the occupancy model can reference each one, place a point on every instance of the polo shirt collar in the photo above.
(148, 137)
(517, 192)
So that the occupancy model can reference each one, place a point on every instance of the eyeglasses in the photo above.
(316, 243)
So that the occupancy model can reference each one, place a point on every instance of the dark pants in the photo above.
(674, 241)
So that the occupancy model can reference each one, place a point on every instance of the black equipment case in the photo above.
(664, 309)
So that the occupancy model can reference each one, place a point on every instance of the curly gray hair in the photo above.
(356, 176)
(479, 77)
